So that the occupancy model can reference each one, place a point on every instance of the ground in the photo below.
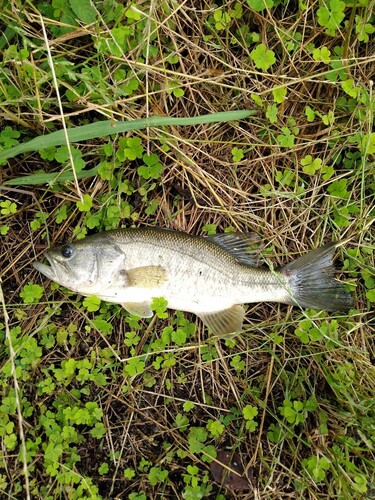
(99, 404)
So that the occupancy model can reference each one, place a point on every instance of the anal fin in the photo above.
(226, 323)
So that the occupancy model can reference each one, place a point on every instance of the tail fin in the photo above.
(311, 281)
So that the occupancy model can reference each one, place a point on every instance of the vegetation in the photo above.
(97, 403)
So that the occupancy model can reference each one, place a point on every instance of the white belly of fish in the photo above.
(183, 300)
(202, 292)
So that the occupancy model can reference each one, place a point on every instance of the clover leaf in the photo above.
(262, 57)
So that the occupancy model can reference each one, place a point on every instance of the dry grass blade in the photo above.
(17, 392)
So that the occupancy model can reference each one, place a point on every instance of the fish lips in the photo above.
(50, 271)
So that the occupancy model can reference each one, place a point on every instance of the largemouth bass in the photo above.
(209, 276)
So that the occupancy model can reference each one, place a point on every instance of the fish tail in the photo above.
(311, 281)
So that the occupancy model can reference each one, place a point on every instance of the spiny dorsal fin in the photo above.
(146, 276)
(244, 247)
(225, 324)
(141, 309)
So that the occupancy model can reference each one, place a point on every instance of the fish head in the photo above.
(89, 266)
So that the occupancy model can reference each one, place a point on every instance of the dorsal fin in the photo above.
(244, 247)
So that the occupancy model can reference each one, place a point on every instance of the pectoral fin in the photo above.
(227, 323)
(146, 276)
(141, 309)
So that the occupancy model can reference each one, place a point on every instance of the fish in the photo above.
(212, 277)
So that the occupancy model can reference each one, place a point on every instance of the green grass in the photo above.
(99, 404)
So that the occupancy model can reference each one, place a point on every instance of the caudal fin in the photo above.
(311, 281)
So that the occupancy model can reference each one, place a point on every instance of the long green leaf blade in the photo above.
(45, 178)
(108, 127)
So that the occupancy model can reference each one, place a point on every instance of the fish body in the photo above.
(209, 276)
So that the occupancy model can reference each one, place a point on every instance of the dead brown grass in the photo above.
(201, 185)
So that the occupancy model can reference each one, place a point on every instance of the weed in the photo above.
(249, 115)
(263, 58)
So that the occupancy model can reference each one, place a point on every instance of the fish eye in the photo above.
(67, 251)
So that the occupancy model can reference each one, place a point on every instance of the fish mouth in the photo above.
(49, 271)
